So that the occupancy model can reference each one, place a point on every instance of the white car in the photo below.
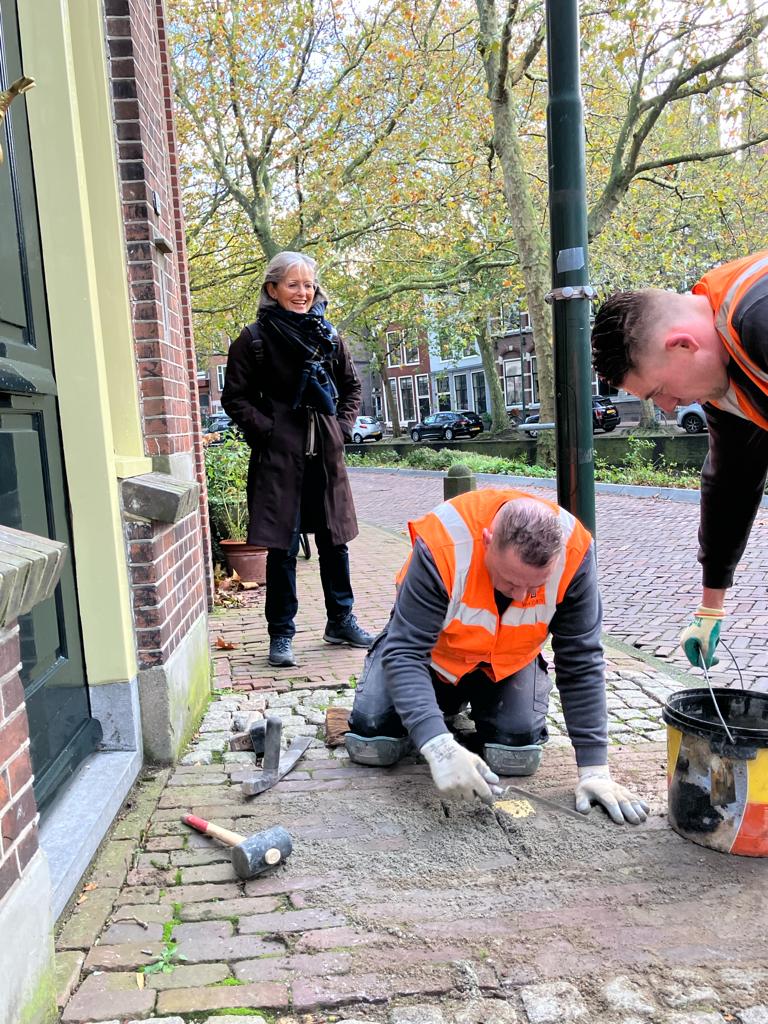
(366, 428)
(692, 418)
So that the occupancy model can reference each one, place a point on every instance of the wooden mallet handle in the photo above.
(222, 834)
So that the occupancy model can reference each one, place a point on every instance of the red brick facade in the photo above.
(18, 809)
(169, 565)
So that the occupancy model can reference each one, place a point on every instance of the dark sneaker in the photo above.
(281, 652)
(347, 632)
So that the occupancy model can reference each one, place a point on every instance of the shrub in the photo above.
(226, 472)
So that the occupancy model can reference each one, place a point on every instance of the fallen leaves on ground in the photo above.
(225, 645)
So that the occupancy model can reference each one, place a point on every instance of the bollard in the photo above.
(458, 480)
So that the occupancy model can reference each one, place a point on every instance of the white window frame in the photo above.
(440, 394)
(410, 344)
(519, 376)
(477, 373)
(457, 403)
(221, 373)
(407, 377)
(394, 348)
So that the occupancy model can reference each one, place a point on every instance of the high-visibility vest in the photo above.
(473, 633)
(726, 288)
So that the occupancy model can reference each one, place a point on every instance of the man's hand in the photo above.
(457, 772)
(700, 639)
(596, 786)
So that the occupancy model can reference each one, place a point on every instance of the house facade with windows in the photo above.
(105, 662)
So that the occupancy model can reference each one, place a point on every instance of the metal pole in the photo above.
(571, 293)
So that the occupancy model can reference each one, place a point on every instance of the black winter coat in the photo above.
(258, 395)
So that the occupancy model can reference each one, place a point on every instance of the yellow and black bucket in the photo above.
(717, 768)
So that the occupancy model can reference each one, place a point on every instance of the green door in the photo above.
(33, 494)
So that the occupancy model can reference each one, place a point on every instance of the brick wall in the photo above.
(169, 566)
(18, 809)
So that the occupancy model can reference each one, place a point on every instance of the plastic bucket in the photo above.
(718, 785)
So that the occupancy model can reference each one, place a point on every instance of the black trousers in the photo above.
(282, 601)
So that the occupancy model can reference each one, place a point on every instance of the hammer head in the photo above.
(261, 852)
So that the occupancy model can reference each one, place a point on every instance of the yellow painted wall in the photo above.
(83, 254)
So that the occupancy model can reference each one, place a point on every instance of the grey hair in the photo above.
(276, 270)
(532, 528)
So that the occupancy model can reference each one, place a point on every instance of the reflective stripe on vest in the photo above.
(446, 530)
(725, 293)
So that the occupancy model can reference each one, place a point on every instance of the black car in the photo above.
(605, 416)
(474, 418)
(445, 426)
(219, 427)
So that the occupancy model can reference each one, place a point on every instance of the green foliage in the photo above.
(166, 961)
(226, 471)
(637, 467)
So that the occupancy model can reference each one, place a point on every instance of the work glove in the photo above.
(457, 772)
(700, 639)
(596, 786)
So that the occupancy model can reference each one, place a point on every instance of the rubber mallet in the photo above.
(251, 855)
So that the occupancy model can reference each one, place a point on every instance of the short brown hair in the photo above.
(618, 334)
(532, 528)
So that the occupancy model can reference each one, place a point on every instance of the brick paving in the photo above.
(395, 908)
(649, 575)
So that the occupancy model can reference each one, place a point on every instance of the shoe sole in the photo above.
(341, 643)
(281, 664)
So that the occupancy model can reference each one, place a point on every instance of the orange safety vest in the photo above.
(725, 288)
(473, 634)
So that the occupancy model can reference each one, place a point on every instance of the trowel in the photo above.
(519, 803)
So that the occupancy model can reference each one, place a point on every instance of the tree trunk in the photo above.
(386, 392)
(499, 418)
(532, 247)
(647, 415)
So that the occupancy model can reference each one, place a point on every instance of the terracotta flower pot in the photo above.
(249, 562)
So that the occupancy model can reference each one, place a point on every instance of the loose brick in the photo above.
(314, 993)
(213, 940)
(129, 956)
(291, 921)
(228, 908)
(189, 976)
(269, 996)
(87, 919)
(103, 996)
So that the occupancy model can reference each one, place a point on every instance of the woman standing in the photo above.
(291, 387)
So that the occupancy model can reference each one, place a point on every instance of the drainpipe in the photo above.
(571, 292)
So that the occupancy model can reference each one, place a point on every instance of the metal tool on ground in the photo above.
(251, 855)
(263, 738)
(525, 794)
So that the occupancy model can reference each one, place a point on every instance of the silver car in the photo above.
(366, 428)
(692, 418)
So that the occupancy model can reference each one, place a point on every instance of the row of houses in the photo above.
(419, 380)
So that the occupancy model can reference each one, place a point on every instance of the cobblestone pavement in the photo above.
(395, 908)
(649, 575)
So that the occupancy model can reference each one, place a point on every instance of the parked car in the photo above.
(218, 428)
(218, 421)
(691, 418)
(366, 428)
(474, 418)
(444, 426)
(605, 416)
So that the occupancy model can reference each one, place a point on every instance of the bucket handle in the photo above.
(712, 692)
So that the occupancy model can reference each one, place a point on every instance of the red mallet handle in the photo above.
(216, 831)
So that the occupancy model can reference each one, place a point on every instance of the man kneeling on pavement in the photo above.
(492, 573)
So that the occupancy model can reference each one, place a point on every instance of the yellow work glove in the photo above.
(700, 639)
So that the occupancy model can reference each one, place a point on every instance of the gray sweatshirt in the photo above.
(416, 622)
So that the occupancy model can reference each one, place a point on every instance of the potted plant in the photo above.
(226, 467)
